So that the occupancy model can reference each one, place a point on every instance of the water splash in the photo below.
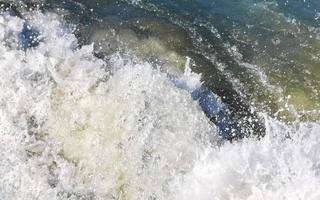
(75, 127)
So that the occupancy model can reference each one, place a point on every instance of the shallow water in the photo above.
(98, 100)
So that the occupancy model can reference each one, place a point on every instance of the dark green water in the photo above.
(256, 55)
(264, 53)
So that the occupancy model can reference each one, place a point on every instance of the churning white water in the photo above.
(75, 127)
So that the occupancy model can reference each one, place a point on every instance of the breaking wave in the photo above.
(76, 127)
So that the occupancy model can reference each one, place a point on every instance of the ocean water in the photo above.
(148, 99)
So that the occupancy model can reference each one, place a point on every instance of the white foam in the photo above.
(70, 130)
(274, 168)
(189, 80)
(126, 137)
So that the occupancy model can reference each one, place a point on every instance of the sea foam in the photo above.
(75, 127)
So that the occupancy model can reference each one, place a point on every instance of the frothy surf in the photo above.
(75, 127)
